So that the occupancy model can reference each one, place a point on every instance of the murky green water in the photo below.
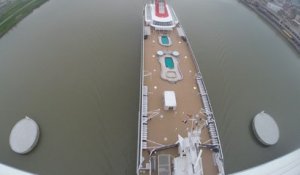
(73, 66)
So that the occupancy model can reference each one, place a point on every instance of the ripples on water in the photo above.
(74, 68)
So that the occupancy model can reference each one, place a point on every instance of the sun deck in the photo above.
(164, 126)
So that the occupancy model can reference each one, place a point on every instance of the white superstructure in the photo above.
(189, 162)
(160, 16)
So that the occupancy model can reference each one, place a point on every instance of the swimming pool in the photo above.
(165, 40)
(169, 62)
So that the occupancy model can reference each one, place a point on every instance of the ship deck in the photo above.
(165, 125)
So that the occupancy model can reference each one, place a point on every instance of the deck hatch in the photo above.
(169, 100)
(164, 164)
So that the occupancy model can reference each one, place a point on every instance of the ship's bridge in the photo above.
(160, 15)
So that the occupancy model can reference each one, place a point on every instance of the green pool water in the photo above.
(169, 62)
(165, 39)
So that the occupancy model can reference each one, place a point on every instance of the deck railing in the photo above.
(139, 144)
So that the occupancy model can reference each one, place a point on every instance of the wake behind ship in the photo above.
(177, 130)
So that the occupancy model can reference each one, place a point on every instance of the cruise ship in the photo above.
(177, 133)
